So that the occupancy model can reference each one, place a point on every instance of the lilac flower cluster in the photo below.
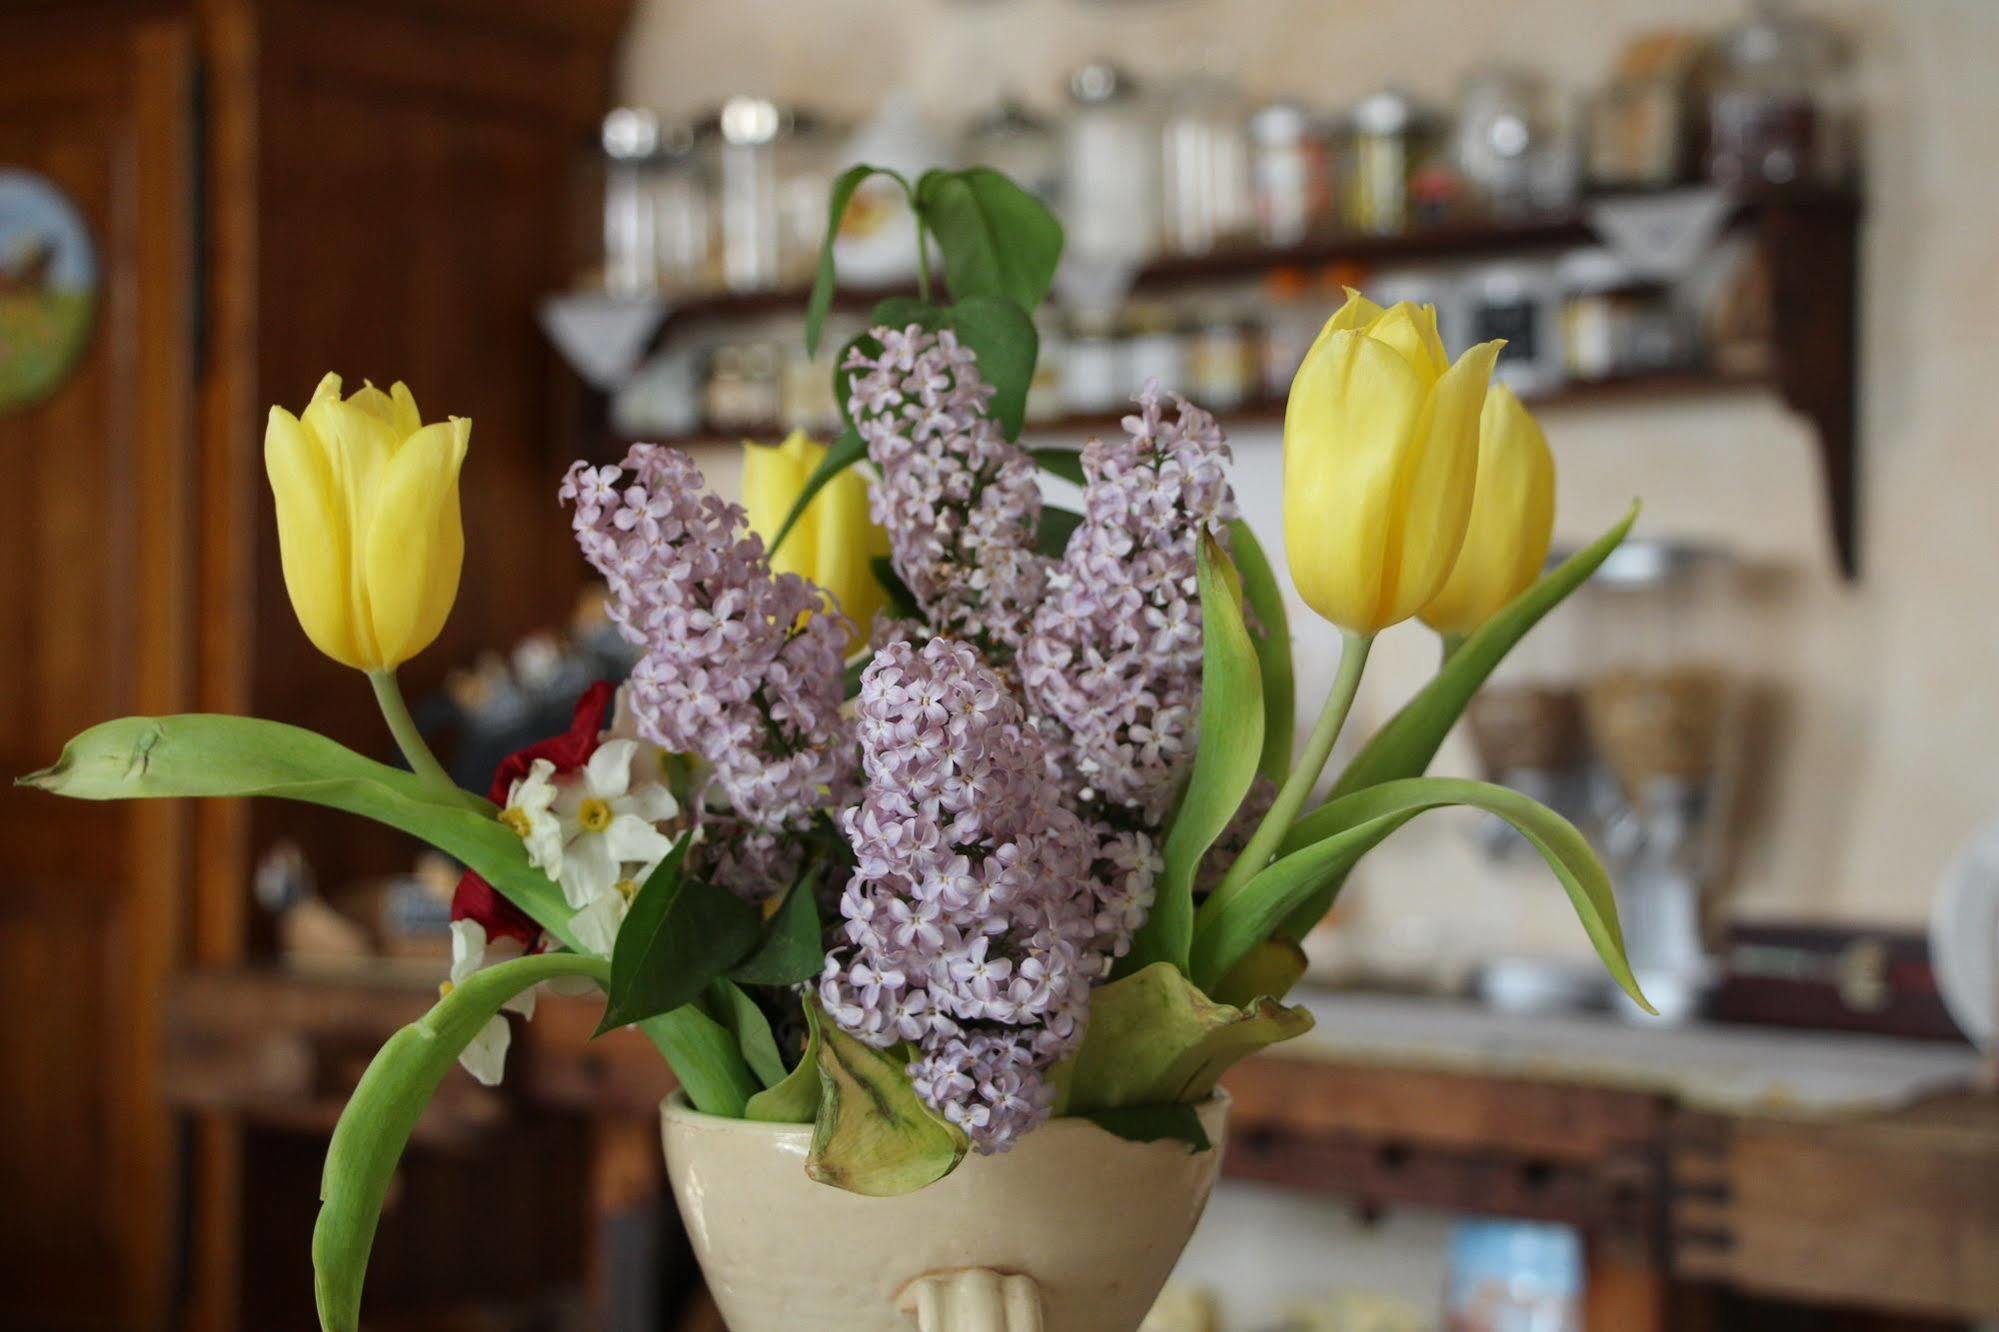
(970, 911)
(730, 672)
(1112, 669)
(959, 501)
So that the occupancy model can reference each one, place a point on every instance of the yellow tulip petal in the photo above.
(1512, 518)
(847, 545)
(404, 419)
(314, 542)
(1412, 330)
(414, 547)
(1435, 487)
(1352, 414)
(1357, 313)
(772, 479)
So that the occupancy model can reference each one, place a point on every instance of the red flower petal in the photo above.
(475, 899)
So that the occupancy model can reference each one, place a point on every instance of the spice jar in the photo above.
(1390, 140)
(1291, 167)
(1110, 167)
(630, 139)
(1222, 367)
(1204, 157)
(1769, 122)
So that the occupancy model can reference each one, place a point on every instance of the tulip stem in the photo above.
(1305, 774)
(389, 697)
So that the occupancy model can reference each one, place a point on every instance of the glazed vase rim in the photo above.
(674, 1106)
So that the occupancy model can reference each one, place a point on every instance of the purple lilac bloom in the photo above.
(969, 917)
(959, 501)
(730, 673)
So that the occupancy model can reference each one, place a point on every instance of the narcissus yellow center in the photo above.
(627, 888)
(594, 814)
(444, 989)
(517, 819)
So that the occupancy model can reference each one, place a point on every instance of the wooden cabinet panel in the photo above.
(95, 524)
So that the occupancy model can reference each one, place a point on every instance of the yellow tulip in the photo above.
(1380, 458)
(834, 543)
(1512, 517)
(368, 525)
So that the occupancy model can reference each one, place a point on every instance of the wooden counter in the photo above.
(1893, 1210)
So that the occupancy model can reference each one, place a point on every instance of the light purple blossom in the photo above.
(730, 673)
(959, 501)
(1112, 668)
(970, 919)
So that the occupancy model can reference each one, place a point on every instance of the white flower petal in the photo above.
(522, 1003)
(485, 1055)
(652, 802)
(468, 948)
(596, 925)
(631, 838)
(589, 870)
(610, 768)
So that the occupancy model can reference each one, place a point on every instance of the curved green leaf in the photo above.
(1267, 971)
(791, 950)
(1004, 338)
(1406, 745)
(731, 1005)
(825, 279)
(207, 754)
(1322, 847)
(874, 1135)
(1154, 1039)
(1154, 1123)
(1272, 632)
(796, 1099)
(1231, 741)
(996, 238)
(1065, 463)
(369, 1138)
(682, 934)
(1052, 533)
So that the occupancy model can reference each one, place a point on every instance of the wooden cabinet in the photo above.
(275, 188)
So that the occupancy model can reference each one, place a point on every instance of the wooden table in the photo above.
(1895, 1211)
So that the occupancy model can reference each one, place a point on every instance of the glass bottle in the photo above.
(1110, 167)
(630, 139)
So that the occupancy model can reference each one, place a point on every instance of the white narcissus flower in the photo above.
(530, 814)
(485, 1057)
(596, 925)
(607, 825)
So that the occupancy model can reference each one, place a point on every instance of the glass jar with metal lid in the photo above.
(1291, 166)
(1110, 167)
(1390, 138)
(768, 160)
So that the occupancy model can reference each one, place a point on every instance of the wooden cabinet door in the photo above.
(95, 579)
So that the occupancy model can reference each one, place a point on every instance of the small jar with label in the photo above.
(1222, 367)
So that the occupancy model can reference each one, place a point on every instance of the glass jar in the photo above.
(1110, 168)
(1291, 168)
(630, 139)
(1222, 365)
(807, 161)
(1774, 109)
(1503, 127)
(1390, 140)
(743, 142)
(683, 220)
(1020, 145)
(1204, 158)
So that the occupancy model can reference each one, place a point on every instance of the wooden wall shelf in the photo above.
(1809, 239)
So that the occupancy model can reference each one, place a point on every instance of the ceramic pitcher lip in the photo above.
(1075, 1225)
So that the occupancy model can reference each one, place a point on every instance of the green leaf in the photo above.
(1322, 847)
(1154, 1123)
(731, 1005)
(901, 601)
(681, 933)
(706, 1058)
(825, 279)
(874, 1135)
(1065, 463)
(1231, 742)
(1051, 534)
(996, 238)
(846, 450)
(372, 1130)
(1004, 339)
(1268, 970)
(1154, 1039)
(1406, 745)
(796, 1099)
(205, 754)
(1272, 632)
(791, 950)
(900, 312)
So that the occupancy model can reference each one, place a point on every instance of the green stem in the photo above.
(922, 256)
(1304, 776)
(1449, 645)
(389, 697)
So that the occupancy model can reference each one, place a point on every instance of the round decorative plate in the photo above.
(48, 288)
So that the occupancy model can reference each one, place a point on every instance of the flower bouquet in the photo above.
(949, 845)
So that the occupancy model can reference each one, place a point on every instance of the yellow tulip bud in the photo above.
(1380, 458)
(834, 543)
(368, 525)
(1512, 518)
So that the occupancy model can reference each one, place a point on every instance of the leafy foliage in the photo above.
(874, 1135)
(682, 934)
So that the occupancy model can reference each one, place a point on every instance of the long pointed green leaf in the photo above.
(1231, 740)
(1004, 339)
(824, 280)
(1406, 745)
(707, 1059)
(681, 934)
(791, 950)
(1065, 463)
(205, 754)
(369, 1138)
(846, 450)
(1261, 590)
(734, 1009)
(796, 1099)
(1325, 845)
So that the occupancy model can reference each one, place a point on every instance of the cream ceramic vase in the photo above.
(1074, 1230)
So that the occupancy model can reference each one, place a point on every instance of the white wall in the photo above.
(1886, 756)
